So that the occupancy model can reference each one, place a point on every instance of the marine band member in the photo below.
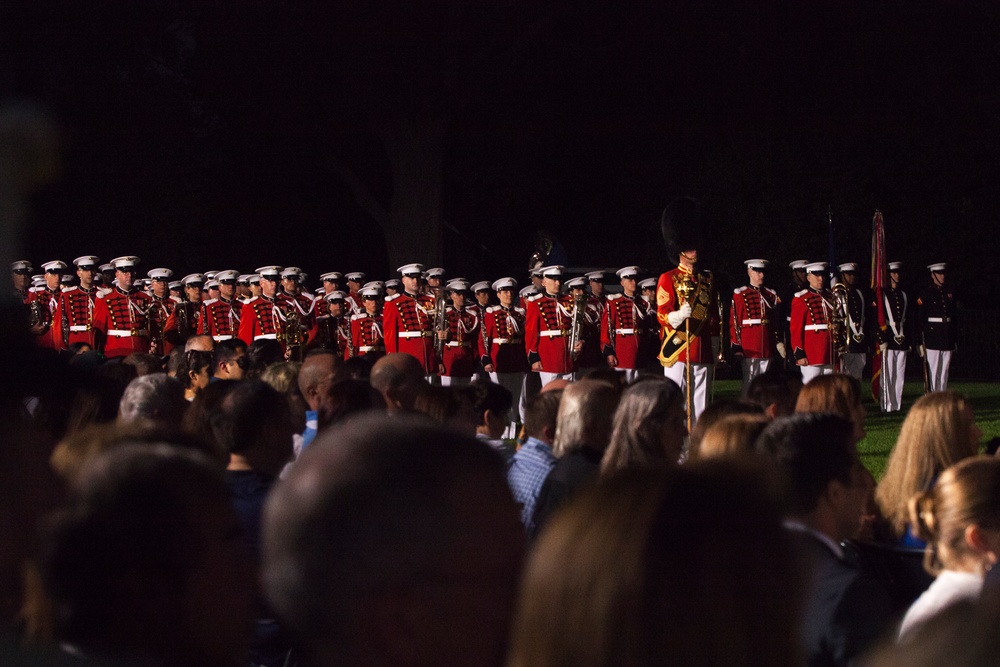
(623, 325)
(188, 315)
(221, 318)
(408, 321)
(755, 324)
(809, 329)
(121, 315)
(74, 320)
(367, 337)
(548, 321)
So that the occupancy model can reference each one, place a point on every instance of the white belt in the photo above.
(552, 333)
(126, 333)
(455, 343)
(939, 319)
(625, 332)
(817, 327)
(505, 341)
(273, 336)
(369, 348)
(79, 327)
(757, 321)
(218, 338)
(414, 334)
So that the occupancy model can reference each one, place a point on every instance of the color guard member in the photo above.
(895, 341)
(938, 326)
(857, 322)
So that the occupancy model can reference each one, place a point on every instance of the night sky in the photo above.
(209, 135)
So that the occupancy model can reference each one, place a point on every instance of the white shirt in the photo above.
(949, 587)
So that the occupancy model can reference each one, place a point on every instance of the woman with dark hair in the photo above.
(194, 372)
(641, 570)
(261, 354)
(648, 428)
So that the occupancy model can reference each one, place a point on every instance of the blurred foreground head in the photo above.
(643, 570)
(145, 564)
(393, 541)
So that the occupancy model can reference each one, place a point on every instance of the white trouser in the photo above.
(701, 377)
(754, 367)
(854, 364)
(809, 372)
(452, 381)
(549, 377)
(938, 362)
(631, 374)
(514, 383)
(893, 373)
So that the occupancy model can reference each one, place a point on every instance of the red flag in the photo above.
(879, 273)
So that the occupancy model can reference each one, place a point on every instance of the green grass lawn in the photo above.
(884, 428)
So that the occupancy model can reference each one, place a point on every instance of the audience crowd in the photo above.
(225, 507)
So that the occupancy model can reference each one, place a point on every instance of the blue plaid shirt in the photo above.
(528, 469)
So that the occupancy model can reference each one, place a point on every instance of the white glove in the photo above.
(676, 318)
(921, 351)
(782, 350)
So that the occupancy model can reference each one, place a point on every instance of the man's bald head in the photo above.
(398, 377)
(201, 342)
(392, 542)
(319, 370)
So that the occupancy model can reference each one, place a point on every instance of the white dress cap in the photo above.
(848, 267)
(86, 261)
(798, 265)
(648, 283)
(937, 268)
(54, 266)
(597, 276)
(160, 273)
(270, 272)
(481, 286)
(355, 277)
(192, 278)
(411, 269)
(576, 283)
(505, 283)
(124, 262)
(816, 267)
(759, 264)
(553, 271)
(627, 272)
(895, 266)
(458, 285)
(335, 295)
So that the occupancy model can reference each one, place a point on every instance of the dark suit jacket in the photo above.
(846, 609)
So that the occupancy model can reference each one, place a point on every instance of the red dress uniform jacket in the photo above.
(809, 329)
(503, 343)
(222, 319)
(753, 323)
(184, 322)
(122, 319)
(547, 323)
(160, 311)
(44, 305)
(354, 304)
(408, 325)
(258, 320)
(622, 328)
(704, 320)
(366, 334)
(74, 319)
(332, 333)
(461, 349)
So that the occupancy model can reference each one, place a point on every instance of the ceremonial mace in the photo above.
(685, 291)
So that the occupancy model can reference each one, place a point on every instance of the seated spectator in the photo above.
(642, 571)
(399, 378)
(733, 435)
(152, 398)
(318, 371)
(959, 518)
(826, 489)
(344, 398)
(393, 542)
(194, 372)
(144, 363)
(261, 354)
(775, 391)
(583, 431)
(200, 342)
(534, 460)
(835, 394)
(230, 359)
(198, 417)
(648, 428)
(145, 565)
(284, 378)
(939, 431)
(491, 403)
(713, 413)
(448, 406)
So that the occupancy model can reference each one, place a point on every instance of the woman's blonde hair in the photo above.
(936, 434)
(967, 493)
(732, 435)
